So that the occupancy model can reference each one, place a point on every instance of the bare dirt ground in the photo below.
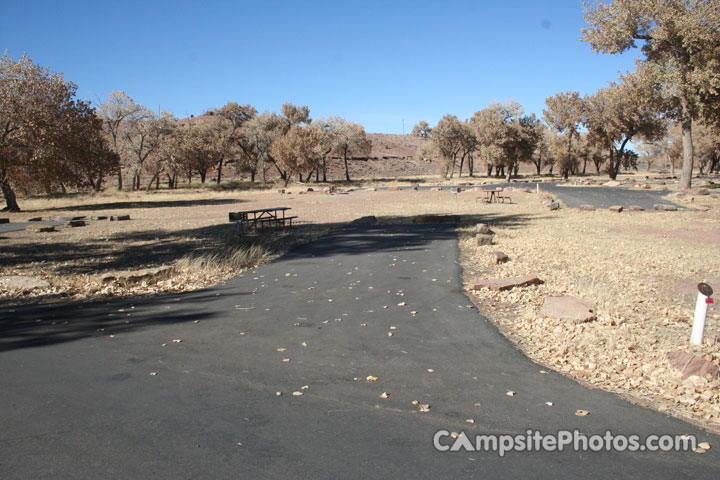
(638, 269)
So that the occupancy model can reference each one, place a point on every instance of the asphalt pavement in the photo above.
(186, 386)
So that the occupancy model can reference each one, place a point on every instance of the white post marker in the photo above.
(701, 306)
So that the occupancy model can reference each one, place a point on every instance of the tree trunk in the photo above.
(253, 172)
(347, 170)
(120, 184)
(612, 166)
(688, 153)
(471, 165)
(203, 174)
(584, 165)
(324, 170)
(219, 171)
(490, 169)
(154, 177)
(11, 204)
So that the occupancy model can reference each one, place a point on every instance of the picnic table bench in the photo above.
(494, 196)
(263, 217)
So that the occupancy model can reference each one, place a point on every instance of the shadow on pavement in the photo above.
(39, 324)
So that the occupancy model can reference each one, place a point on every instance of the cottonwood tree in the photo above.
(614, 116)
(118, 109)
(230, 118)
(42, 128)
(140, 138)
(299, 150)
(680, 43)
(422, 129)
(453, 139)
(541, 155)
(489, 127)
(564, 115)
(348, 139)
(505, 135)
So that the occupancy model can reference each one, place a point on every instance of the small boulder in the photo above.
(484, 239)
(616, 208)
(587, 208)
(35, 219)
(99, 217)
(22, 283)
(702, 208)
(393, 188)
(636, 208)
(499, 257)
(568, 308)
(690, 365)
(551, 205)
(75, 223)
(483, 228)
(119, 218)
(505, 283)
(664, 208)
(612, 183)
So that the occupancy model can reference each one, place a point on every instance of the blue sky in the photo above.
(376, 63)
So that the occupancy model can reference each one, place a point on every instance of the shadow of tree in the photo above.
(39, 324)
(142, 204)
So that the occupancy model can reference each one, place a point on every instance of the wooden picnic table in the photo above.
(493, 196)
(261, 217)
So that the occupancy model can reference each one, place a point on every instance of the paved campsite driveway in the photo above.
(101, 397)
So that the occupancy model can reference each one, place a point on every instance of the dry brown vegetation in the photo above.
(638, 269)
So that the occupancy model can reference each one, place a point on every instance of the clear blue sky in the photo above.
(375, 63)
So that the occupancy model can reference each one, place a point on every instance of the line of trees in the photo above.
(50, 141)
(670, 104)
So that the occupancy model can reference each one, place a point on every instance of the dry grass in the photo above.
(638, 270)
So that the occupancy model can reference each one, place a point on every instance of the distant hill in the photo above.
(392, 156)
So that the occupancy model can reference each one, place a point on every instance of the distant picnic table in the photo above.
(494, 196)
(260, 218)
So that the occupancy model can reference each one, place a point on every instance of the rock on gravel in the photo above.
(484, 239)
(616, 208)
(588, 208)
(499, 257)
(665, 208)
(483, 228)
(636, 208)
(568, 308)
(22, 283)
(690, 364)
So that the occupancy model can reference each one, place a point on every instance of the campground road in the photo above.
(184, 386)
